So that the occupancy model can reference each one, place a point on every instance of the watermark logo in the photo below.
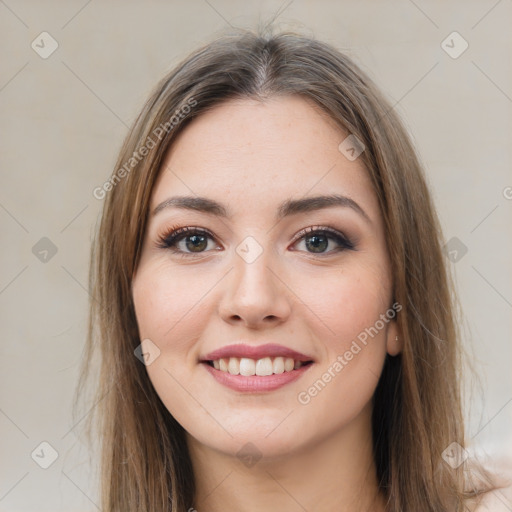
(455, 250)
(454, 45)
(44, 250)
(351, 147)
(44, 455)
(249, 455)
(147, 352)
(44, 45)
(249, 249)
(455, 455)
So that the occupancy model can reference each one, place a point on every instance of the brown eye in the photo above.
(196, 243)
(317, 243)
(323, 241)
(186, 241)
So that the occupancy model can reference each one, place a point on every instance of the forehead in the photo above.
(259, 152)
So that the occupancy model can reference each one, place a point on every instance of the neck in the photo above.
(336, 473)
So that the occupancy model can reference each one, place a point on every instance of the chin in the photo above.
(254, 441)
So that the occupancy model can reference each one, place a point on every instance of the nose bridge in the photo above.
(254, 292)
(253, 272)
(252, 263)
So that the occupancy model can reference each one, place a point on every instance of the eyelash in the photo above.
(176, 234)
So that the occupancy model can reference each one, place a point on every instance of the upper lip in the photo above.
(255, 352)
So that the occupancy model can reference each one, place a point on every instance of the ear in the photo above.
(394, 341)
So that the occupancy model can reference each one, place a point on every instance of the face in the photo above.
(259, 264)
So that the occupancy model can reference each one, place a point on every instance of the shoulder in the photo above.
(500, 498)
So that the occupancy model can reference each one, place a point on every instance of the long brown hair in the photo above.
(417, 413)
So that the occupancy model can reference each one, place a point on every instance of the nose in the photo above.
(255, 296)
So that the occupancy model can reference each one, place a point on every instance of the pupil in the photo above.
(196, 243)
(317, 242)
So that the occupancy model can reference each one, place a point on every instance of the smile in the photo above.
(260, 367)
(252, 382)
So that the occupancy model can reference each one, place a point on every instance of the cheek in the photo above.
(346, 303)
(354, 351)
(169, 312)
(349, 304)
(165, 302)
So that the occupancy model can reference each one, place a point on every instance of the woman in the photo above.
(271, 303)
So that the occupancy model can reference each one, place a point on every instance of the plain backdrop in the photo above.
(64, 115)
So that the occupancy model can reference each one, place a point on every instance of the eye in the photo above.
(188, 240)
(322, 240)
(192, 240)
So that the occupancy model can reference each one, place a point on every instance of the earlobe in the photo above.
(394, 342)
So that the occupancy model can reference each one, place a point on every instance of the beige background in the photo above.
(64, 118)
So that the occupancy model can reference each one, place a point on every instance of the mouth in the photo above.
(263, 367)
(256, 376)
(256, 369)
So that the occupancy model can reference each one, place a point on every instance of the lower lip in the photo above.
(255, 383)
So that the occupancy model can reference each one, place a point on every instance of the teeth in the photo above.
(247, 367)
(278, 366)
(234, 366)
(261, 367)
(223, 365)
(264, 367)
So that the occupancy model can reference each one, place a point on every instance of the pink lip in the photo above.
(252, 352)
(256, 383)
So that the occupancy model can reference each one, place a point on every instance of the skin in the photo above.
(251, 156)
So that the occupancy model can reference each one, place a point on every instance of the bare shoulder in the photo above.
(499, 499)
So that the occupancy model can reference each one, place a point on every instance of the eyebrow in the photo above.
(287, 208)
